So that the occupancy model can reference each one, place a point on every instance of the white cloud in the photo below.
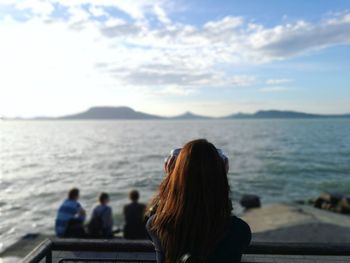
(226, 23)
(38, 7)
(137, 9)
(97, 11)
(173, 91)
(278, 81)
(275, 89)
(160, 75)
(289, 40)
(43, 55)
(78, 15)
(161, 14)
(242, 80)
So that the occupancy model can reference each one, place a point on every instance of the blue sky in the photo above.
(167, 57)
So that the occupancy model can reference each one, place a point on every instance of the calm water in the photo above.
(280, 160)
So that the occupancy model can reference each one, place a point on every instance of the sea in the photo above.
(281, 160)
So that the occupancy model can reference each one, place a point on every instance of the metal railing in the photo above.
(45, 249)
(105, 260)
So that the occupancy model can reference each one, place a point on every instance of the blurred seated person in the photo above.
(101, 223)
(134, 218)
(70, 217)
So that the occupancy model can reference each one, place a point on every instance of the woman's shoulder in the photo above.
(236, 240)
(149, 222)
(153, 236)
(239, 230)
(239, 223)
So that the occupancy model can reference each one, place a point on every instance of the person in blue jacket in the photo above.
(70, 217)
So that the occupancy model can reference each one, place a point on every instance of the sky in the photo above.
(166, 57)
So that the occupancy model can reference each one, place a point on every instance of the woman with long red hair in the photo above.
(192, 212)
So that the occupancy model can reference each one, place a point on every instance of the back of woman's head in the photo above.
(193, 202)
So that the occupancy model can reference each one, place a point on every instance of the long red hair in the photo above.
(193, 203)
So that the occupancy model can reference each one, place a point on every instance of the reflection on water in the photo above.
(280, 160)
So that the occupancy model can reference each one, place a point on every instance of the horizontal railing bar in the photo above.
(98, 245)
(258, 248)
(268, 248)
(104, 260)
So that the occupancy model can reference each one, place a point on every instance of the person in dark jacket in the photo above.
(192, 217)
(134, 218)
(101, 223)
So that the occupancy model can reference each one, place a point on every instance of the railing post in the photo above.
(39, 253)
(48, 258)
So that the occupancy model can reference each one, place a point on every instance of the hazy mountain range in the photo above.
(126, 113)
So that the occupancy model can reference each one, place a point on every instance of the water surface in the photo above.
(280, 160)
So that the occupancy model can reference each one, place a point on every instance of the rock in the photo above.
(250, 201)
(344, 205)
(333, 202)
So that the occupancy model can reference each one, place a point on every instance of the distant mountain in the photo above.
(239, 115)
(108, 113)
(189, 116)
(284, 114)
(126, 113)
(276, 114)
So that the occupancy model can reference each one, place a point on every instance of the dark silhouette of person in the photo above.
(134, 227)
(101, 222)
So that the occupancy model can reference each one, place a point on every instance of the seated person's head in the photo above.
(134, 195)
(73, 194)
(103, 198)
